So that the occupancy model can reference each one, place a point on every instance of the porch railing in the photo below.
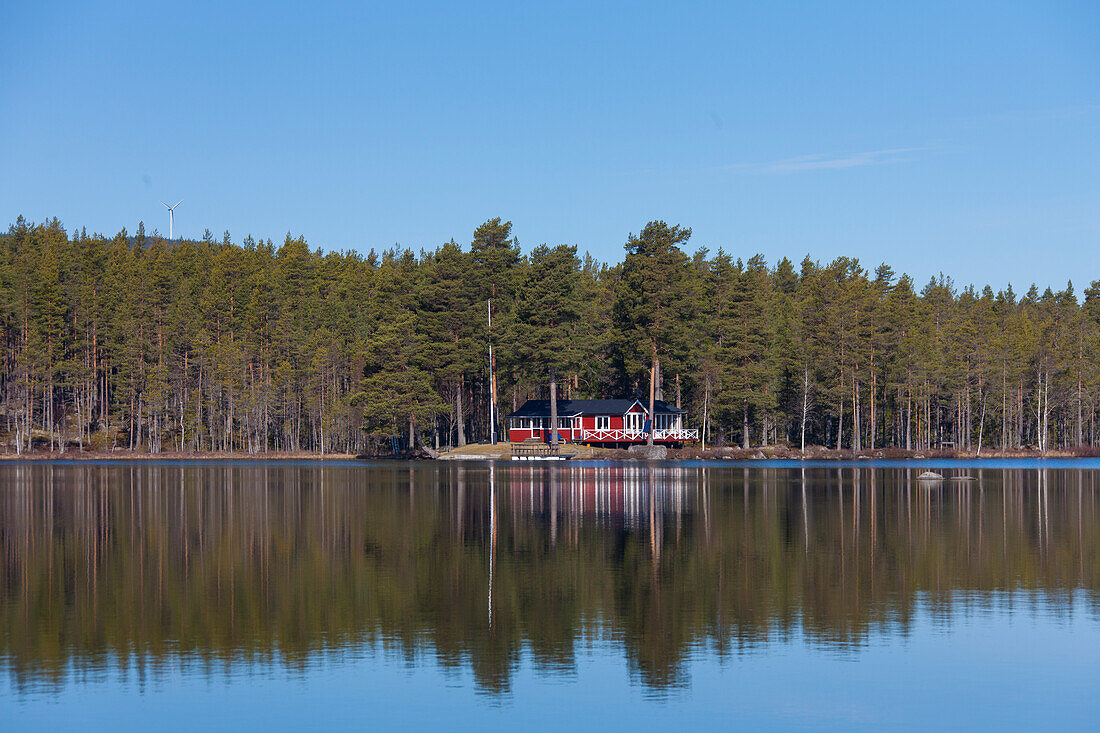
(637, 436)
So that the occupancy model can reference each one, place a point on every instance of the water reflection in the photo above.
(479, 566)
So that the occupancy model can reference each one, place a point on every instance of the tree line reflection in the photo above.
(478, 565)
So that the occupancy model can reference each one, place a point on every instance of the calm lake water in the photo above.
(577, 596)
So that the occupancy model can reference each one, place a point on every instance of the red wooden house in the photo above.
(618, 422)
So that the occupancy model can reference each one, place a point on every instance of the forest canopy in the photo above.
(138, 342)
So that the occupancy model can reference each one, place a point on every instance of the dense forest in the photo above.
(141, 343)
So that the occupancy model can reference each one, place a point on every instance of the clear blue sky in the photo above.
(953, 136)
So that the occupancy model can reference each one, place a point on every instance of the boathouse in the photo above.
(617, 422)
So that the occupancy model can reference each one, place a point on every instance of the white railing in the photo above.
(612, 436)
(676, 434)
(637, 436)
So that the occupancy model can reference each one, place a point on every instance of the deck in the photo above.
(536, 450)
(637, 436)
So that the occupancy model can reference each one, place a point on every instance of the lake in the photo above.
(586, 596)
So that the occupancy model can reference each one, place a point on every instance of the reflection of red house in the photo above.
(617, 489)
(600, 422)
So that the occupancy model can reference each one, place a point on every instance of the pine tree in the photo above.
(652, 302)
(546, 312)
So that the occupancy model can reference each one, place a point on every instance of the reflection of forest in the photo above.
(147, 563)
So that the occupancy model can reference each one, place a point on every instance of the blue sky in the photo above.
(954, 137)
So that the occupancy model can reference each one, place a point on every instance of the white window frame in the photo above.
(603, 422)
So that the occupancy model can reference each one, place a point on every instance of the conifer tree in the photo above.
(651, 306)
(546, 311)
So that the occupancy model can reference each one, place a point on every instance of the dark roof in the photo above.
(571, 408)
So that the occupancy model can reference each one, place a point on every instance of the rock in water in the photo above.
(930, 476)
(650, 452)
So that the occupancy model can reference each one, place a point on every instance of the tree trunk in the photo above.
(1019, 414)
(981, 420)
(805, 402)
(1080, 424)
(745, 425)
(1040, 422)
(874, 389)
(1046, 409)
(967, 417)
(856, 445)
(554, 407)
(49, 409)
(840, 424)
(908, 418)
(1004, 406)
(461, 430)
(652, 394)
(1092, 422)
(706, 407)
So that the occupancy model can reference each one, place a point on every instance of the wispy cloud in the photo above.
(826, 161)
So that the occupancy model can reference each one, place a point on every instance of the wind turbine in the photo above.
(171, 217)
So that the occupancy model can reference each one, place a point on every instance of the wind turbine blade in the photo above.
(167, 206)
(178, 203)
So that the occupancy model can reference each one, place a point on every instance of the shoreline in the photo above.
(128, 456)
(475, 452)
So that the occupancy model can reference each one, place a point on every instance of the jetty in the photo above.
(534, 449)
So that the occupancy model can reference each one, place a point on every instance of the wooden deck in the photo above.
(536, 450)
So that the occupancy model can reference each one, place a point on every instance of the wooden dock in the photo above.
(536, 450)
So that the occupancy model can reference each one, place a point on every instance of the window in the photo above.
(634, 421)
(603, 422)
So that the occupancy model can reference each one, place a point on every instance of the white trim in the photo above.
(629, 436)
